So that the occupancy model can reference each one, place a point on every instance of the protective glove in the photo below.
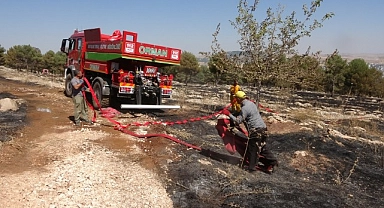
(226, 112)
(85, 88)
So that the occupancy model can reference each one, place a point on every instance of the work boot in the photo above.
(87, 121)
(252, 170)
(271, 169)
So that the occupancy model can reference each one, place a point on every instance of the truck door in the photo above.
(75, 55)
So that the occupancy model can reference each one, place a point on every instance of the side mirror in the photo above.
(64, 46)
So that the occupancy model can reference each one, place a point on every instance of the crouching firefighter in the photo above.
(257, 135)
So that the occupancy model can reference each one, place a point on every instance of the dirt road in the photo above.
(50, 163)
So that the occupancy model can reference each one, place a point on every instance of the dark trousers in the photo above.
(257, 146)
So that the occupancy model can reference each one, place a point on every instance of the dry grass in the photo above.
(372, 127)
(340, 179)
(361, 128)
(204, 101)
(310, 162)
(234, 180)
(302, 115)
(285, 96)
(379, 155)
(182, 96)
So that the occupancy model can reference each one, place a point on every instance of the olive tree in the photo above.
(264, 42)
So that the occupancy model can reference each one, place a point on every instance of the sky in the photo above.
(356, 28)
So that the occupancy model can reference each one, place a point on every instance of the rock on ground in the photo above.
(7, 104)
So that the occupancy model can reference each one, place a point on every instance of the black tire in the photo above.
(68, 85)
(159, 98)
(138, 95)
(155, 99)
(99, 94)
(113, 99)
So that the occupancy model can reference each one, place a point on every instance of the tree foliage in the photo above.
(204, 76)
(219, 67)
(188, 69)
(305, 73)
(54, 61)
(355, 74)
(360, 79)
(264, 44)
(48, 59)
(23, 57)
(2, 55)
(189, 66)
(335, 68)
(30, 58)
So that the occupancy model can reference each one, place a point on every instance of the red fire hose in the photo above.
(109, 112)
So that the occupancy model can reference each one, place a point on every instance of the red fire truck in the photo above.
(120, 68)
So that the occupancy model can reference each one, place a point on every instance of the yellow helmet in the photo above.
(240, 94)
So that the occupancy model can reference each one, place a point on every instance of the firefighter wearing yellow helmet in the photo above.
(234, 104)
(257, 133)
(240, 95)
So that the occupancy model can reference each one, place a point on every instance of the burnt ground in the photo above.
(11, 121)
(334, 172)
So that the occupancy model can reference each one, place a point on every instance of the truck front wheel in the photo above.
(68, 85)
(98, 93)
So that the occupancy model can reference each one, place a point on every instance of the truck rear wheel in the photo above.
(68, 85)
(99, 95)
(159, 98)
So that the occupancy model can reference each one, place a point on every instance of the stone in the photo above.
(7, 104)
(300, 153)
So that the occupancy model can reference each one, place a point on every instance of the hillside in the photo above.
(330, 152)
